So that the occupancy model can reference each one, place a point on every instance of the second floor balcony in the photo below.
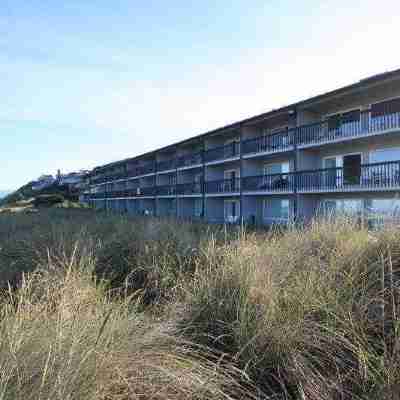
(279, 183)
(231, 185)
(190, 188)
(166, 190)
(377, 176)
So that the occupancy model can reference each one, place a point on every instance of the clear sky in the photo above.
(85, 82)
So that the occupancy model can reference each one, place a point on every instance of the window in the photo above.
(385, 108)
(342, 206)
(381, 211)
(276, 210)
(349, 172)
(278, 168)
(383, 155)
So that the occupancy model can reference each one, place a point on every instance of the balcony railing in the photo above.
(190, 159)
(269, 183)
(108, 177)
(223, 152)
(223, 186)
(166, 165)
(367, 176)
(361, 124)
(117, 194)
(279, 141)
(166, 190)
(98, 195)
(145, 169)
(189, 188)
(147, 191)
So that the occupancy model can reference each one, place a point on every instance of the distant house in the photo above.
(75, 180)
(43, 182)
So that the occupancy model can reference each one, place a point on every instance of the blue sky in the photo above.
(92, 81)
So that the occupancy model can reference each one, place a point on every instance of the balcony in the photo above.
(190, 160)
(277, 142)
(377, 176)
(108, 178)
(348, 126)
(223, 152)
(166, 165)
(166, 190)
(191, 188)
(149, 191)
(116, 194)
(98, 195)
(274, 183)
(145, 169)
(223, 186)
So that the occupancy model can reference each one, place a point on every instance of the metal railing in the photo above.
(342, 127)
(166, 190)
(284, 182)
(189, 188)
(279, 141)
(223, 186)
(366, 176)
(222, 152)
(166, 165)
(190, 159)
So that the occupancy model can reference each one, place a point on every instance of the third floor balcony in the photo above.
(347, 126)
(227, 151)
(277, 142)
(222, 186)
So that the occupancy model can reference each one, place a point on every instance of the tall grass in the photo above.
(107, 307)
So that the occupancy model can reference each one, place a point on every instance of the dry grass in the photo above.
(114, 308)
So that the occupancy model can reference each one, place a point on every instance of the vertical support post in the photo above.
(241, 175)
(294, 121)
(155, 184)
(176, 186)
(125, 187)
(203, 181)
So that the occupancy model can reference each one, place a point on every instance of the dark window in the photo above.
(351, 116)
(386, 107)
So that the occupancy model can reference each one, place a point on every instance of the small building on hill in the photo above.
(43, 182)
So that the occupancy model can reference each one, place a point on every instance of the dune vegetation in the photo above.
(97, 306)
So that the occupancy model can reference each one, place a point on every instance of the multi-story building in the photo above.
(336, 151)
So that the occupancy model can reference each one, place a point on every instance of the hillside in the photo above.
(26, 197)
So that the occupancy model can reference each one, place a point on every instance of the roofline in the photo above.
(371, 80)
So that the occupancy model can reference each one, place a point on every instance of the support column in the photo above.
(241, 176)
(203, 182)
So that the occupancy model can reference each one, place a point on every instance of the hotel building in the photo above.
(336, 151)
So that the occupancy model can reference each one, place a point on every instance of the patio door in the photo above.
(230, 177)
(342, 170)
(352, 169)
(231, 211)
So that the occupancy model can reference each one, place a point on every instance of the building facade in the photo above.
(337, 151)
